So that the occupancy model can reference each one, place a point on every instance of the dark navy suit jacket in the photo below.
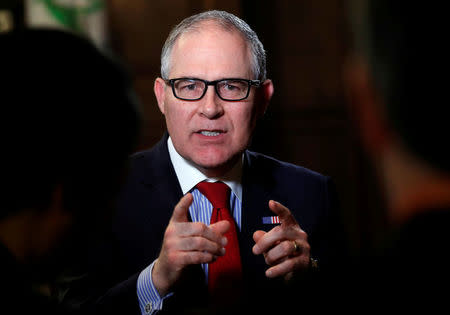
(152, 191)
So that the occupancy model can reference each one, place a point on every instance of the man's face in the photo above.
(210, 133)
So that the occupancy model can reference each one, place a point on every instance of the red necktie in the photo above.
(225, 273)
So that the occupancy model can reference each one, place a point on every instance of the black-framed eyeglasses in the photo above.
(192, 89)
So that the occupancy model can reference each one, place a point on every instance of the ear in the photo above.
(159, 88)
(365, 107)
(264, 96)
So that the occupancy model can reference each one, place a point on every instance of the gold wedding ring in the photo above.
(296, 247)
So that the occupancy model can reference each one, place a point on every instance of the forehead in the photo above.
(210, 51)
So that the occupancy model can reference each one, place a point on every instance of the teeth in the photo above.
(210, 133)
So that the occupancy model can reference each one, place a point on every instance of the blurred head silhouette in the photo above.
(398, 99)
(397, 91)
(69, 122)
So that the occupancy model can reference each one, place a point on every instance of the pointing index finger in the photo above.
(286, 218)
(180, 213)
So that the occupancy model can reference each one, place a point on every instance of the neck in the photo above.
(220, 171)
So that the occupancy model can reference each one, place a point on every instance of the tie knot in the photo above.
(217, 193)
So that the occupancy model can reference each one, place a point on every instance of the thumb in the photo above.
(220, 227)
(180, 213)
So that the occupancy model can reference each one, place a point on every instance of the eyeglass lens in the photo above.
(192, 89)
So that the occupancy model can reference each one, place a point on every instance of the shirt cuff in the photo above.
(149, 300)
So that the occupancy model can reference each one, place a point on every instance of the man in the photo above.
(212, 90)
(69, 123)
(399, 105)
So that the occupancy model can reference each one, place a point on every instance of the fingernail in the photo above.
(269, 273)
(222, 251)
(224, 241)
(255, 249)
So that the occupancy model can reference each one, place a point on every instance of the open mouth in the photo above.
(210, 133)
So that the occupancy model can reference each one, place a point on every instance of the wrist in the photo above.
(160, 280)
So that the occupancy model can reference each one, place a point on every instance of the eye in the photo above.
(233, 86)
(230, 87)
(187, 85)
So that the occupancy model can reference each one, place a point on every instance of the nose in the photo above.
(211, 106)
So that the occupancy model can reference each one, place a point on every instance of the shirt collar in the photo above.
(189, 176)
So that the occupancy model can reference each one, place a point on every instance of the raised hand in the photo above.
(186, 243)
(285, 247)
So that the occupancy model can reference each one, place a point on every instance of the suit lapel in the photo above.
(257, 185)
(161, 178)
(146, 205)
(164, 187)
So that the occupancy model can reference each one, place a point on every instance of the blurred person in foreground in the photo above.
(399, 101)
(275, 219)
(69, 123)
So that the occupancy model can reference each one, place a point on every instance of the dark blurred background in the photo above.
(307, 43)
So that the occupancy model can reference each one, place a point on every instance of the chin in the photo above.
(216, 167)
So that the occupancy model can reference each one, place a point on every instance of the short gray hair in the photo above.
(229, 22)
